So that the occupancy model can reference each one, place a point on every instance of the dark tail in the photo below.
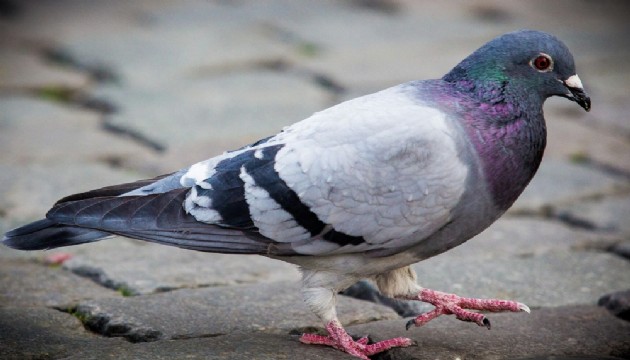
(47, 234)
(51, 233)
(155, 215)
(158, 218)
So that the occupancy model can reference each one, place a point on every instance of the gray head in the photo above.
(527, 62)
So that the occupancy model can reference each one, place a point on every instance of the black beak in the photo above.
(580, 97)
(577, 93)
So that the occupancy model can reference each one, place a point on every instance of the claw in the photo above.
(410, 323)
(451, 304)
(339, 339)
(524, 307)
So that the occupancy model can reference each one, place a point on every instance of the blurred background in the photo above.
(94, 93)
(152, 86)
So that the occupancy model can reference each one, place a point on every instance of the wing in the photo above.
(157, 217)
(150, 210)
(375, 174)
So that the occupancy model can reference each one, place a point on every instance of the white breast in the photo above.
(381, 166)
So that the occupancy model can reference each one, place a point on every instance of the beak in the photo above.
(576, 92)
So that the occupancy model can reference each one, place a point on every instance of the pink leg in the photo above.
(339, 339)
(452, 304)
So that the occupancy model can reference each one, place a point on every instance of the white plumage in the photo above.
(342, 162)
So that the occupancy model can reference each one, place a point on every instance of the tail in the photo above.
(149, 210)
(158, 218)
(51, 233)
(47, 234)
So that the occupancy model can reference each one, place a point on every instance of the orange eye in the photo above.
(542, 62)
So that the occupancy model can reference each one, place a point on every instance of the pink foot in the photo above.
(58, 258)
(452, 304)
(340, 340)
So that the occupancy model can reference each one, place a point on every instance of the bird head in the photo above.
(526, 62)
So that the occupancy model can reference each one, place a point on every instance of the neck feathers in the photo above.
(508, 137)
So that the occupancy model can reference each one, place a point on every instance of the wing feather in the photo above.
(157, 218)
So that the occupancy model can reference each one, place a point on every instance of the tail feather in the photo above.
(158, 218)
(150, 210)
(47, 234)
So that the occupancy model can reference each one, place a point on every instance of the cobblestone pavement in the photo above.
(99, 92)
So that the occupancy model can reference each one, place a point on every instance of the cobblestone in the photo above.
(177, 82)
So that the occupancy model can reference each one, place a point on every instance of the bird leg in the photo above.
(446, 303)
(401, 283)
(321, 300)
(341, 340)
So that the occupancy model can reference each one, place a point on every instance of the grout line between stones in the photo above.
(100, 278)
(99, 73)
(600, 166)
(280, 65)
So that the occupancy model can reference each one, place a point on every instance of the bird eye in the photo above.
(542, 62)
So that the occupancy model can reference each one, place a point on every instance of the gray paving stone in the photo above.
(142, 268)
(30, 284)
(10, 254)
(560, 182)
(239, 346)
(608, 213)
(607, 86)
(522, 237)
(200, 63)
(206, 34)
(48, 151)
(551, 279)
(570, 331)
(346, 54)
(607, 118)
(209, 312)
(22, 71)
(28, 191)
(538, 262)
(70, 135)
(242, 107)
(573, 135)
(42, 23)
(371, 66)
(40, 333)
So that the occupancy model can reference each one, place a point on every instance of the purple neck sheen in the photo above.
(510, 142)
(510, 152)
(509, 138)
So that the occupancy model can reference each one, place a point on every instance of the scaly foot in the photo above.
(340, 340)
(452, 304)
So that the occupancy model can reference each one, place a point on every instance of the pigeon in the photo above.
(361, 190)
